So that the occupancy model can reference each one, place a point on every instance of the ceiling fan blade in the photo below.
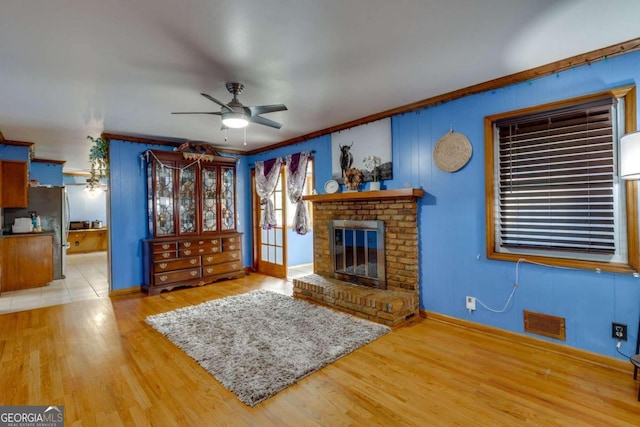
(262, 121)
(262, 109)
(217, 113)
(223, 105)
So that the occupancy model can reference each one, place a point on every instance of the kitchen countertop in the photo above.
(88, 229)
(33, 233)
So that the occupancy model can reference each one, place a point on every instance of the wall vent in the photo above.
(544, 324)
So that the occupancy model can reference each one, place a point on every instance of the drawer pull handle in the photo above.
(200, 250)
(164, 278)
(193, 261)
(187, 252)
(215, 249)
(201, 242)
(234, 256)
(234, 265)
(232, 247)
(165, 255)
(163, 265)
(187, 244)
(165, 246)
(209, 258)
(209, 270)
(214, 242)
(194, 273)
(231, 239)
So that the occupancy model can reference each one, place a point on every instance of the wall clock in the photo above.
(331, 186)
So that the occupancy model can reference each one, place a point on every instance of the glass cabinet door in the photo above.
(209, 198)
(187, 199)
(228, 198)
(163, 187)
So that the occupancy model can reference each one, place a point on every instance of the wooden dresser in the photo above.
(191, 261)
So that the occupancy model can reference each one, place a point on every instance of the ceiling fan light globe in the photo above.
(234, 120)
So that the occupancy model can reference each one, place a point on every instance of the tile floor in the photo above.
(299, 271)
(85, 278)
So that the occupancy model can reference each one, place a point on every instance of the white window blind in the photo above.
(556, 179)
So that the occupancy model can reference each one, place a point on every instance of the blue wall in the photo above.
(451, 216)
(452, 220)
(14, 152)
(46, 173)
(299, 248)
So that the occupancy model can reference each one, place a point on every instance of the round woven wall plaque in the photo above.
(452, 152)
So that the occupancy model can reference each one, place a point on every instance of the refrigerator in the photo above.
(52, 205)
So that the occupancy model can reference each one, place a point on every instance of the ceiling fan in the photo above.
(236, 115)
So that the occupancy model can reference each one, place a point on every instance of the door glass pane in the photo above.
(279, 259)
(227, 191)
(187, 200)
(265, 253)
(165, 223)
(209, 198)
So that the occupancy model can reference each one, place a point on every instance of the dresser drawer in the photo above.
(211, 246)
(211, 270)
(163, 256)
(176, 264)
(189, 244)
(176, 276)
(231, 246)
(164, 247)
(182, 253)
(221, 257)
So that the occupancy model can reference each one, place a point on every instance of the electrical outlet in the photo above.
(471, 303)
(619, 331)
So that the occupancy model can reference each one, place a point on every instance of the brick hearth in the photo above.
(399, 211)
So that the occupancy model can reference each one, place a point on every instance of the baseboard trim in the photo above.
(571, 352)
(125, 291)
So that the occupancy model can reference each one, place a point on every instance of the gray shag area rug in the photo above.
(261, 342)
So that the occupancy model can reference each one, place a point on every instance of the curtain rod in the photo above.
(310, 152)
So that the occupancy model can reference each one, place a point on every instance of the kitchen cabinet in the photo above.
(13, 187)
(191, 204)
(87, 240)
(27, 261)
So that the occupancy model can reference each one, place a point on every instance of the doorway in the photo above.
(280, 251)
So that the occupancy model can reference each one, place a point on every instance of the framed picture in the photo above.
(350, 148)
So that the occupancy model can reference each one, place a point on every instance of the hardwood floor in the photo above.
(108, 368)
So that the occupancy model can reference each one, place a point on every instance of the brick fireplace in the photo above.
(398, 209)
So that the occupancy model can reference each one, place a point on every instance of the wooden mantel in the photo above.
(402, 193)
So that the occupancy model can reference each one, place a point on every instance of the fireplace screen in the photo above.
(357, 252)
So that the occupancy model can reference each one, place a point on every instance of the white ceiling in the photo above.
(72, 68)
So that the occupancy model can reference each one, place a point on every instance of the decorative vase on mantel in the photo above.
(374, 186)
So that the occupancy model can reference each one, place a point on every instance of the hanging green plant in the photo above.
(99, 158)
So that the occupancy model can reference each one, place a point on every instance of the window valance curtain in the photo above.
(267, 174)
(296, 175)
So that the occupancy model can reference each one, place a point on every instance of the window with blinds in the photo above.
(556, 179)
(552, 186)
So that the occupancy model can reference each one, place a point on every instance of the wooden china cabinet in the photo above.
(191, 204)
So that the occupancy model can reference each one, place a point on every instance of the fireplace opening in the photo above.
(357, 252)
